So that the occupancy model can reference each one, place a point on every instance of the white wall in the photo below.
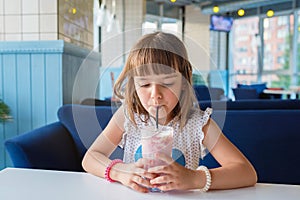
(197, 37)
(28, 20)
(113, 49)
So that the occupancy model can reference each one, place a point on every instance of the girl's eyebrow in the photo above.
(144, 78)
(172, 75)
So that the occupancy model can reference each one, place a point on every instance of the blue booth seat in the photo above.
(61, 145)
(253, 91)
(269, 138)
(245, 93)
(203, 92)
(259, 87)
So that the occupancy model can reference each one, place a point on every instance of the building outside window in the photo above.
(280, 61)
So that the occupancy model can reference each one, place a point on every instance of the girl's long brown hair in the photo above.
(156, 53)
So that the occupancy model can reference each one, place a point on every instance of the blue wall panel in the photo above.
(10, 96)
(23, 92)
(35, 81)
(2, 136)
(38, 92)
(53, 85)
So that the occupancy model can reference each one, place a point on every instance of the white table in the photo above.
(28, 184)
(288, 93)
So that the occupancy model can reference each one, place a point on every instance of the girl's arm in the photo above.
(96, 159)
(235, 171)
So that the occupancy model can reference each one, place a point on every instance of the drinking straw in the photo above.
(157, 108)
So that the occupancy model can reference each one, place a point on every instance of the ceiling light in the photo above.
(241, 12)
(216, 9)
(270, 13)
(173, 1)
(74, 11)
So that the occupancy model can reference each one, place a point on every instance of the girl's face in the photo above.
(161, 91)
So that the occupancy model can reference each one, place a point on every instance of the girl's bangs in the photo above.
(154, 61)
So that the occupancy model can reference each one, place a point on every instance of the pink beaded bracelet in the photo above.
(108, 168)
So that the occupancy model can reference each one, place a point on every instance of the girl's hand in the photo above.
(173, 176)
(134, 175)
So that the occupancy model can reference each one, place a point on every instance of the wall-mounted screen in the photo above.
(220, 23)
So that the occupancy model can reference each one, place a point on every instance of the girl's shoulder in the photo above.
(197, 112)
(200, 116)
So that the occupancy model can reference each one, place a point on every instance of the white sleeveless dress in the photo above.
(187, 141)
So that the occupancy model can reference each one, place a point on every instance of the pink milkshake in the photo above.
(157, 140)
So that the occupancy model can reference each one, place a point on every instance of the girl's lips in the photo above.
(161, 110)
(155, 106)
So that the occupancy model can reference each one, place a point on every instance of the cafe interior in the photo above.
(59, 61)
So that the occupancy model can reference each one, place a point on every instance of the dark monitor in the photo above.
(220, 23)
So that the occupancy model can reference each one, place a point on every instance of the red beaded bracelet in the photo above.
(108, 168)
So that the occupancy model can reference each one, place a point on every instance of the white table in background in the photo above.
(288, 93)
(29, 184)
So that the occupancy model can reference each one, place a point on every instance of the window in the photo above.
(282, 33)
(280, 60)
(282, 20)
(275, 59)
(245, 51)
(152, 23)
(267, 35)
(268, 47)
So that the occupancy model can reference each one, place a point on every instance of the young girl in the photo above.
(157, 75)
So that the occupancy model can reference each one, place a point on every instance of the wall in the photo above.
(116, 45)
(26, 20)
(75, 20)
(197, 37)
(36, 78)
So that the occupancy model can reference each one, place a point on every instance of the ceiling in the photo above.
(229, 7)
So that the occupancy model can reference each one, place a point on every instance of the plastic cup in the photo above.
(157, 141)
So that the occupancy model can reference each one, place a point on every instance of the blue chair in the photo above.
(257, 132)
(204, 93)
(245, 93)
(61, 145)
(259, 87)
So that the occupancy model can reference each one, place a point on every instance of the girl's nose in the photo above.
(156, 92)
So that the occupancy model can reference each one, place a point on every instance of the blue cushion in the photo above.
(48, 147)
(84, 123)
(203, 92)
(271, 145)
(259, 87)
(245, 93)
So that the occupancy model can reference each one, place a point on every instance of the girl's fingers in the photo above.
(140, 171)
(164, 183)
(141, 181)
(163, 157)
(158, 170)
(166, 187)
(138, 187)
(143, 173)
(164, 179)
(143, 162)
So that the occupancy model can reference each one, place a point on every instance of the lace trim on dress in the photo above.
(205, 117)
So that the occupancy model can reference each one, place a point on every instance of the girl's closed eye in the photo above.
(143, 84)
(169, 84)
